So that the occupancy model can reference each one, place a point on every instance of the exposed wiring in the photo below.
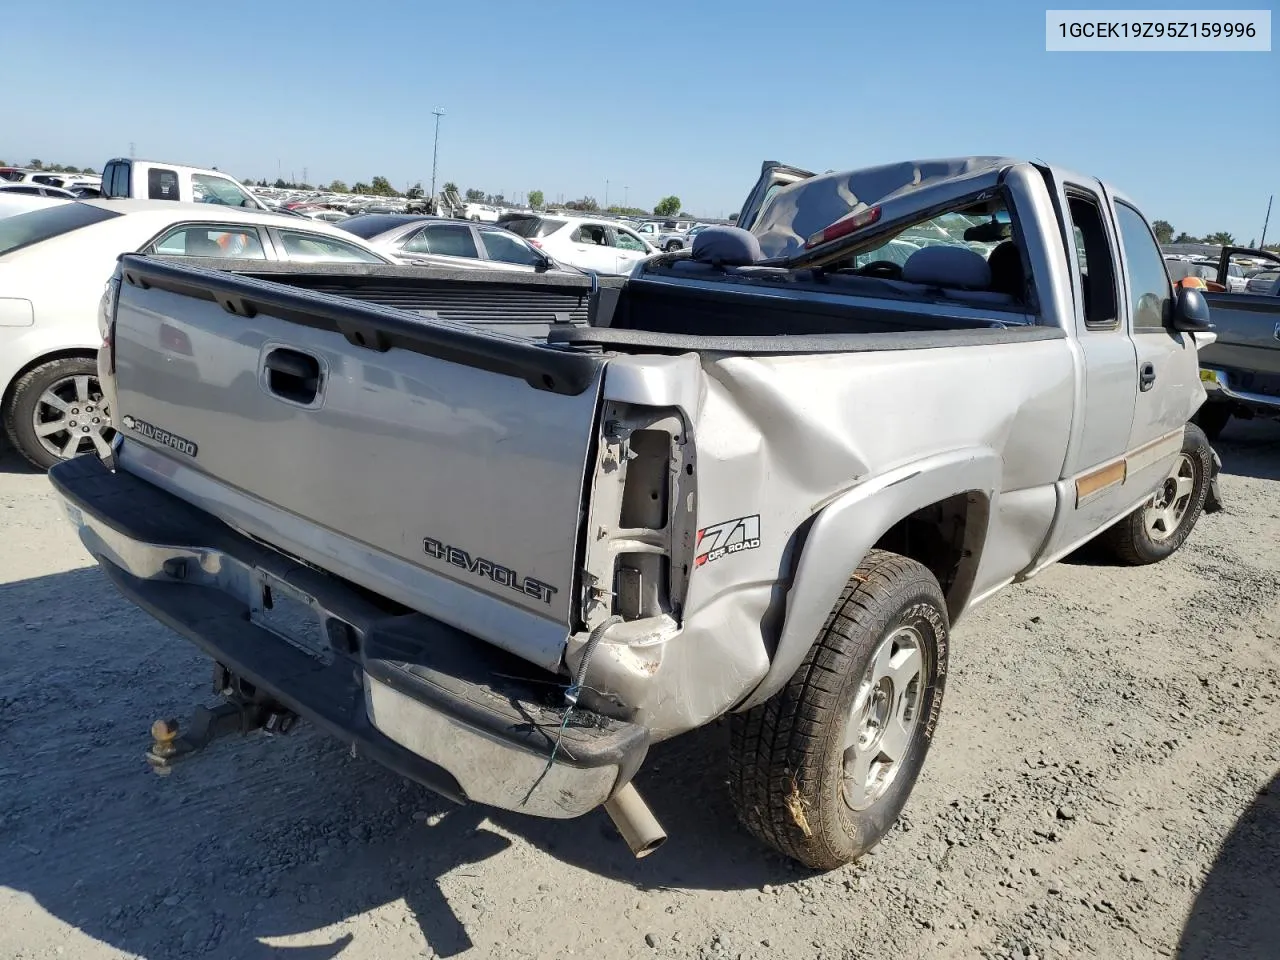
(571, 695)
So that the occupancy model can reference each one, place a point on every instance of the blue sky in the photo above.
(679, 97)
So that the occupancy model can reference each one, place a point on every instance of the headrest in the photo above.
(957, 267)
(727, 247)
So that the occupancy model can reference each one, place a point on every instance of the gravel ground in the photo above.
(1103, 784)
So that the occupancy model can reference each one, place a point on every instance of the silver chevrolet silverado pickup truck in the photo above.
(503, 534)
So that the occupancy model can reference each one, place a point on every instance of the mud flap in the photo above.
(1213, 500)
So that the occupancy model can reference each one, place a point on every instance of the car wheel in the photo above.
(821, 770)
(58, 411)
(1212, 418)
(1163, 523)
(674, 245)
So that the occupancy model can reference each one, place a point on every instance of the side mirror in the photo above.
(1191, 311)
(544, 264)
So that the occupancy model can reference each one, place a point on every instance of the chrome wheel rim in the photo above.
(884, 716)
(71, 417)
(1165, 512)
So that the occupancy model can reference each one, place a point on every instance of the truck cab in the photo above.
(152, 180)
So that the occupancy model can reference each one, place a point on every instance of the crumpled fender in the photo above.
(848, 526)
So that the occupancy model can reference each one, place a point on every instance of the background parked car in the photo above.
(54, 263)
(600, 246)
(1265, 281)
(410, 238)
(12, 204)
(36, 190)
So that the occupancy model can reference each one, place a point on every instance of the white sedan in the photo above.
(54, 264)
(601, 246)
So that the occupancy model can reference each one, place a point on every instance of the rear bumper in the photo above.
(423, 699)
(1217, 386)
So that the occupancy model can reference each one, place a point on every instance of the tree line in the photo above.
(1164, 232)
(54, 167)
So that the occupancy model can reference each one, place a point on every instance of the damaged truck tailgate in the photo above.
(449, 461)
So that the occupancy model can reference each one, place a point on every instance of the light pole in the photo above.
(435, 150)
(606, 193)
(626, 197)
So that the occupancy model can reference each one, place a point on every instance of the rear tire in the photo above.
(1212, 418)
(1161, 525)
(821, 770)
(61, 393)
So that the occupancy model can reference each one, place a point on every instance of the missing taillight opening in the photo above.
(646, 491)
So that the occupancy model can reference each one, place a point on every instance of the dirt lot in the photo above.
(1104, 783)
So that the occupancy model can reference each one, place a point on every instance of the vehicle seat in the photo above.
(957, 268)
(1007, 273)
(200, 245)
(727, 247)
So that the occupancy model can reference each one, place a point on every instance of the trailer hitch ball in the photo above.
(164, 746)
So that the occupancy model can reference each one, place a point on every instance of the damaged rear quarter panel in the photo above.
(812, 445)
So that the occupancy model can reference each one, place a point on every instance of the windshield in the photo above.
(24, 229)
(366, 226)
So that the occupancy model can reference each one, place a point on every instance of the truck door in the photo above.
(1167, 365)
(1095, 463)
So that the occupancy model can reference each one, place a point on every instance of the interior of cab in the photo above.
(967, 258)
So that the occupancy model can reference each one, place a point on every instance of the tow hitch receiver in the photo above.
(242, 711)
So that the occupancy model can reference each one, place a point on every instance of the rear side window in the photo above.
(204, 240)
(24, 229)
(1096, 262)
(531, 228)
(313, 246)
(162, 184)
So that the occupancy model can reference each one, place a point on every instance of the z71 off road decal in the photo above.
(487, 568)
(159, 435)
(732, 536)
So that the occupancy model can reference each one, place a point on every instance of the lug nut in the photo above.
(73, 423)
(85, 429)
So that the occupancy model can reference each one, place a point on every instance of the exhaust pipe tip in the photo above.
(635, 821)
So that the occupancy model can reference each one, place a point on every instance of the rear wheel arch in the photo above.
(882, 514)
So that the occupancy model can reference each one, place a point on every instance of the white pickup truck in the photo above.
(503, 533)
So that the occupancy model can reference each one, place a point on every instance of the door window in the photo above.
(1150, 295)
(206, 188)
(1096, 262)
(590, 233)
(162, 184)
(628, 241)
(499, 246)
(444, 239)
(205, 240)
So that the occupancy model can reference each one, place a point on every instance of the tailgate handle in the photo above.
(292, 375)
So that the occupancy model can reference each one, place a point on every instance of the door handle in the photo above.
(292, 375)
(1146, 376)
